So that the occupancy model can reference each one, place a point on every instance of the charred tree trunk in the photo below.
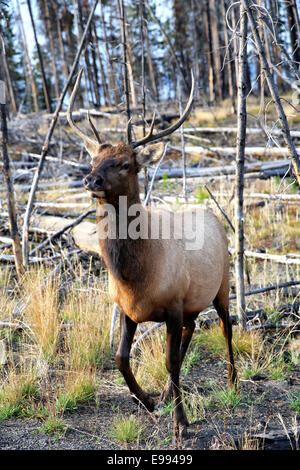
(229, 57)
(52, 48)
(111, 73)
(32, 81)
(8, 79)
(12, 216)
(106, 93)
(293, 20)
(125, 69)
(44, 81)
(60, 42)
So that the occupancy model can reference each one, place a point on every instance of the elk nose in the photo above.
(93, 181)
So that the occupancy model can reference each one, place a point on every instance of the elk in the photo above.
(155, 279)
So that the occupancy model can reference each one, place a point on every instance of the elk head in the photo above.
(115, 167)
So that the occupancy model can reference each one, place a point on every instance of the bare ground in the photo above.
(264, 418)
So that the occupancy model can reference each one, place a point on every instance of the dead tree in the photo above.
(48, 138)
(273, 90)
(125, 68)
(41, 62)
(32, 81)
(12, 217)
(239, 176)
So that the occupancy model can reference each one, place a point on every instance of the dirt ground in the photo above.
(263, 413)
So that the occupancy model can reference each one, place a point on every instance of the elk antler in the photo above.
(150, 137)
(87, 140)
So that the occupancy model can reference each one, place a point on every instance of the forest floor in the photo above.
(264, 413)
(262, 417)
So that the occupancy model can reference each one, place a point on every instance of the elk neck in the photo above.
(123, 256)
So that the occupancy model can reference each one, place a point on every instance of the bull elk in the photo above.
(155, 279)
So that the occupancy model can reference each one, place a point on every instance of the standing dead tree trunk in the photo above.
(32, 81)
(12, 217)
(142, 37)
(44, 81)
(52, 48)
(293, 20)
(273, 90)
(229, 57)
(162, 29)
(48, 138)
(125, 69)
(239, 175)
(8, 79)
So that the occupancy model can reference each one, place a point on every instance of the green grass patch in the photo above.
(126, 429)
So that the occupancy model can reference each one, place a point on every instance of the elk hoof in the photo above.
(167, 393)
(180, 433)
(146, 400)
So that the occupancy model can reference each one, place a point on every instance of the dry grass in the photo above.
(42, 312)
(66, 333)
(213, 116)
(149, 364)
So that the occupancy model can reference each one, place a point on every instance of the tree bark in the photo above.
(292, 15)
(12, 216)
(60, 41)
(8, 79)
(52, 48)
(216, 58)
(209, 54)
(125, 68)
(229, 57)
(239, 176)
(111, 73)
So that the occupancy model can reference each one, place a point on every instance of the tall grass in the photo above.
(149, 365)
(42, 312)
(66, 330)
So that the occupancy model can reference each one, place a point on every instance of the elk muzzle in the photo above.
(94, 184)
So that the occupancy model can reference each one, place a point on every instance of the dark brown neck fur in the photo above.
(124, 258)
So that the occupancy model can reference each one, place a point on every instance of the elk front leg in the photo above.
(128, 328)
(187, 333)
(173, 364)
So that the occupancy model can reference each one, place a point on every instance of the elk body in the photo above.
(155, 279)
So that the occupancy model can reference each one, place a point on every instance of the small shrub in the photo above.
(54, 426)
(295, 402)
(229, 398)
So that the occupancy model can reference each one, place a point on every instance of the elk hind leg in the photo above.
(221, 303)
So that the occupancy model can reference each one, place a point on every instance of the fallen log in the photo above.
(257, 152)
(84, 233)
(280, 439)
(62, 230)
(233, 130)
(220, 170)
(273, 197)
(285, 259)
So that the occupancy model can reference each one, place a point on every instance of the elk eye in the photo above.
(125, 166)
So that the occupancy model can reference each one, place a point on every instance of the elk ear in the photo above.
(150, 154)
(94, 148)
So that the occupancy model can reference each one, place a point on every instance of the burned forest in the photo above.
(180, 107)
